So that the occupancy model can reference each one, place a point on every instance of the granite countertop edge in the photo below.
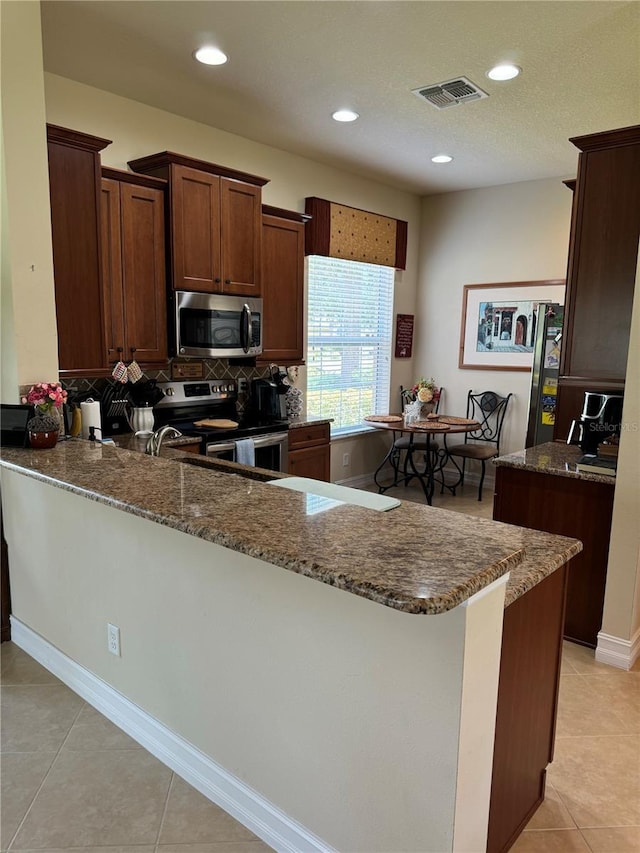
(555, 458)
(428, 587)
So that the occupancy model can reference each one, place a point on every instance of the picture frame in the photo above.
(498, 323)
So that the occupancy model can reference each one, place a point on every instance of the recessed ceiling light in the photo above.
(345, 115)
(441, 158)
(504, 71)
(210, 56)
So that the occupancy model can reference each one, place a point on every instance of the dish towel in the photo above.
(245, 452)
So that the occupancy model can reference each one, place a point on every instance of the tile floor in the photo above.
(73, 781)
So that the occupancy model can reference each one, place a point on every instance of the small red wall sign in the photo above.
(404, 335)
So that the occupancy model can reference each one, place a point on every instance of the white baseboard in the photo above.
(617, 651)
(248, 807)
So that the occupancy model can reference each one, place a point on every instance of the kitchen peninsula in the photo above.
(541, 487)
(328, 676)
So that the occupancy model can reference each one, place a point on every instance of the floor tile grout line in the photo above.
(164, 811)
(46, 776)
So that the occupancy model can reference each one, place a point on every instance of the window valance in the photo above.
(339, 231)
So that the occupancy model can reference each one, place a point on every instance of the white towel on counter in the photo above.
(245, 451)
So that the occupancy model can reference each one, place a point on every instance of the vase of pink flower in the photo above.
(47, 399)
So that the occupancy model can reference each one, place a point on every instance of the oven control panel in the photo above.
(189, 393)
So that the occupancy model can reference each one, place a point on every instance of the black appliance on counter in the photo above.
(267, 401)
(184, 403)
(601, 419)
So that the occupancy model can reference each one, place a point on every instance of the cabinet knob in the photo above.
(133, 349)
(217, 280)
(227, 281)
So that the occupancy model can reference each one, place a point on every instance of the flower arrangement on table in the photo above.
(47, 398)
(423, 398)
(425, 391)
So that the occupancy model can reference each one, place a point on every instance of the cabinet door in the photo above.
(195, 230)
(112, 270)
(74, 183)
(314, 462)
(143, 273)
(282, 290)
(241, 237)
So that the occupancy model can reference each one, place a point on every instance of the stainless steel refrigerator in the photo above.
(544, 373)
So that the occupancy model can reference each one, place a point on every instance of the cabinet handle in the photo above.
(133, 351)
(227, 281)
(217, 280)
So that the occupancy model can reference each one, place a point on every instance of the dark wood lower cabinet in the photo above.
(527, 707)
(572, 507)
(310, 451)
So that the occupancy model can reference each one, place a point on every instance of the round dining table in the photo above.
(435, 458)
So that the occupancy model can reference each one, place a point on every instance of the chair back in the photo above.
(403, 402)
(489, 409)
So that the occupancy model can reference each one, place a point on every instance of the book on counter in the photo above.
(598, 465)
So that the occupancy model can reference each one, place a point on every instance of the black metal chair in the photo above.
(489, 409)
(405, 444)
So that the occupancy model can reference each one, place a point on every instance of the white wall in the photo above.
(515, 232)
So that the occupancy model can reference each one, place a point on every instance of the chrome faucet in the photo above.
(154, 442)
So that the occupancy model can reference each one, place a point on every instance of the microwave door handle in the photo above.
(245, 328)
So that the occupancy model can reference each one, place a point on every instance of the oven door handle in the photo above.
(270, 439)
(259, 441)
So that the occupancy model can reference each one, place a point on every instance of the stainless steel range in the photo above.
(255, 440)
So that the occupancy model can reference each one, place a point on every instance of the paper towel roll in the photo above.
(91, 418)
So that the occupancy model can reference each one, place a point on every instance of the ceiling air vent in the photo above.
(450, 93)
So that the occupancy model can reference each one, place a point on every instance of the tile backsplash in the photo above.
(215, 368)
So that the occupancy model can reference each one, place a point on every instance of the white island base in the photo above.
(319, 719)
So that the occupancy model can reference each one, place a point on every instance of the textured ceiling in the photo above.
(291, 64)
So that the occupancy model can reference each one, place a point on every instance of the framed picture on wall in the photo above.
(499, 323)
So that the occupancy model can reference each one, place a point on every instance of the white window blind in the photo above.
(348, 341)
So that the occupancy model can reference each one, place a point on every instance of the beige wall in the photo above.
(29, 338)
(622, 597)
(515, 232)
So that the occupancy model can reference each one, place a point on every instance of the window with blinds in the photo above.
(349, 334)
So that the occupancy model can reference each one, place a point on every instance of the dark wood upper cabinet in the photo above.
(74, 186)
(603, 250)
(283, 285)
(134, 267)
(215, 224)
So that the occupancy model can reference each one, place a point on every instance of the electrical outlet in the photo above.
(242, 386)
(113, 639)
(345, 460)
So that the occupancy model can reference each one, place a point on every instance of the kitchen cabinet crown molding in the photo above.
(167, 158)
(608, 138)
(126, 177)
(282, 213)
(76, 139)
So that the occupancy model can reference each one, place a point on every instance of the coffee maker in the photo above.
(601, 419)
(267, 403)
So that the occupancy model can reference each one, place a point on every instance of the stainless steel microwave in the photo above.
(214, 325)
